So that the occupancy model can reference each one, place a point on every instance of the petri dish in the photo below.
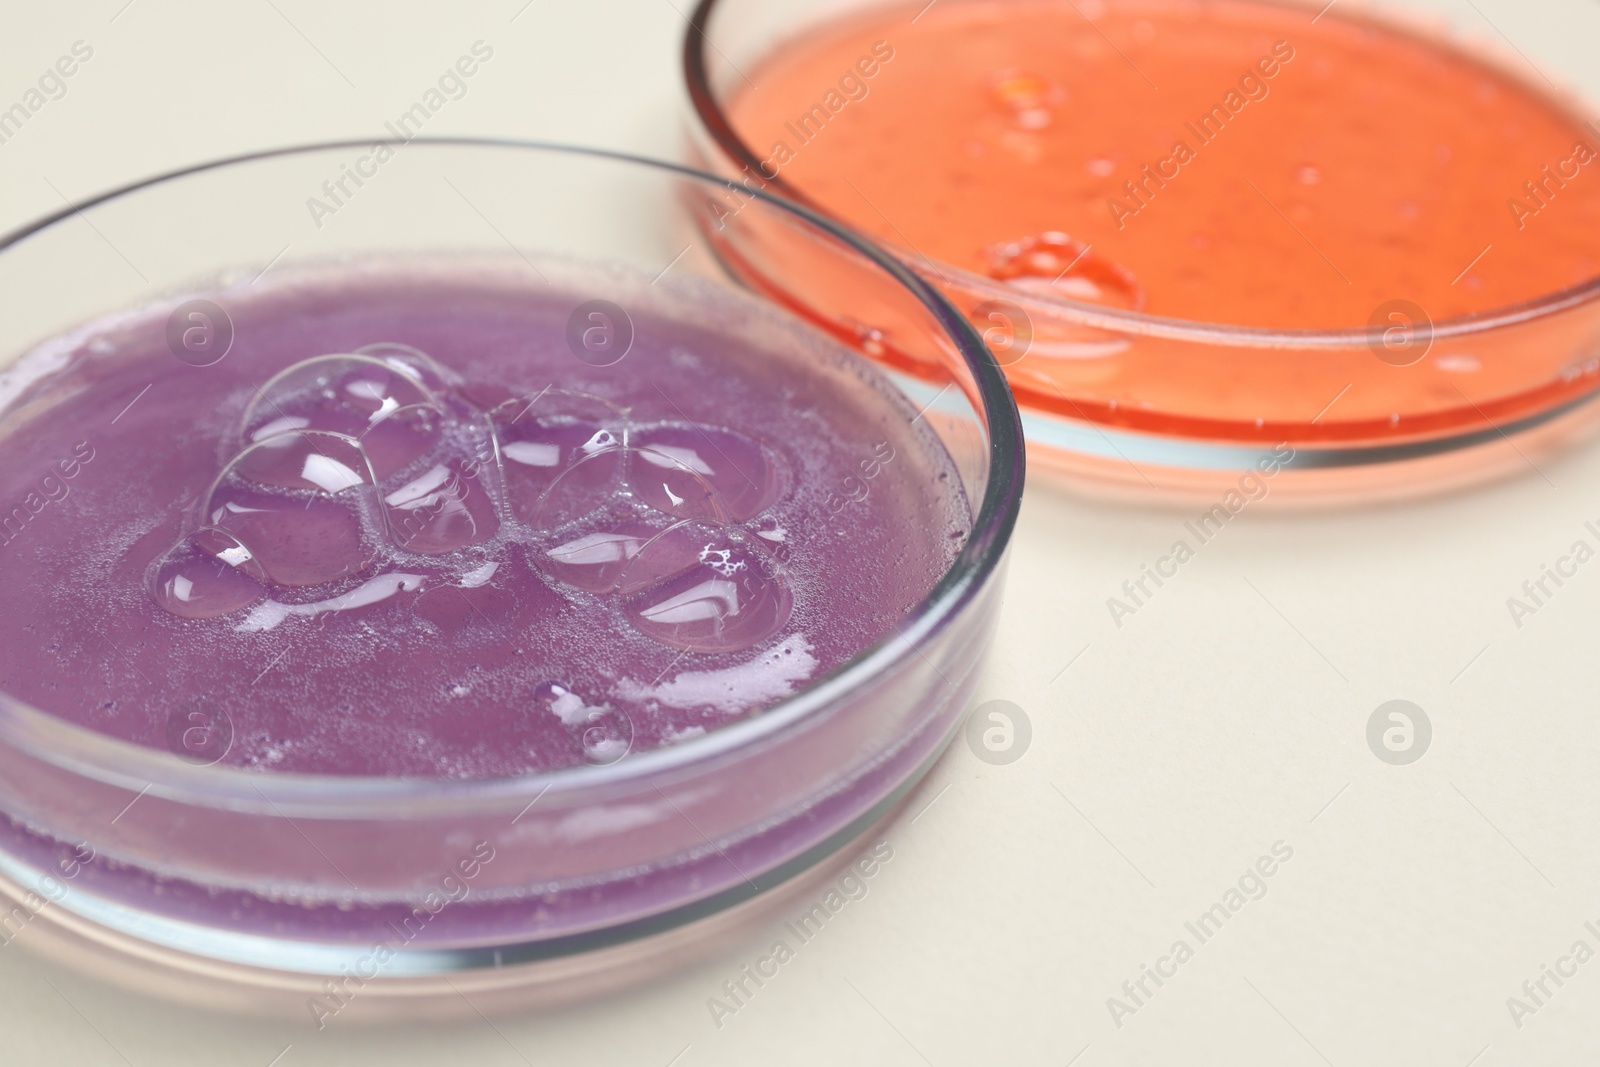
(1353, 249)
(450, 580)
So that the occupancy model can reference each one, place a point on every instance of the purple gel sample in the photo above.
(402, 530)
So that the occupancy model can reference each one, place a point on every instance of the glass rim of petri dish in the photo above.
(79, 750)
(716, 124)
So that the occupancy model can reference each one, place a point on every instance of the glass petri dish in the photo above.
(1174, 370)
(160, 824)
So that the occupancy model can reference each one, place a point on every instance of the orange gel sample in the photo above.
(1224, 161)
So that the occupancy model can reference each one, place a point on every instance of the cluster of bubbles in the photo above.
(357, 476)
(1056, 264)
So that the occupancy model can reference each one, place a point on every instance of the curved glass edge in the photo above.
(1090, 439)
(300, 957)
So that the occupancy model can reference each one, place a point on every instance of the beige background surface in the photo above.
(1228, 715)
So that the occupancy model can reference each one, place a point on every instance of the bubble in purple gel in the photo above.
(594, 556)
(671, 486)
(734, 596)
(592, 482)
(550, 407)
(613, 553)
(541, 437)
(298, 539)
(606, 735)
(317, 460)
(439, 507)
(343, 393)
(402, 437)
(412, 362)
(228, 549)
(207, 574)
(294, 502)
(748, 476)
(670, 552)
